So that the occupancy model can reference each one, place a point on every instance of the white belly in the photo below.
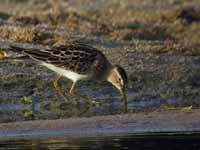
(66, 73)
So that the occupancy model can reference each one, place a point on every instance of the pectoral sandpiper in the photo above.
(78, 61)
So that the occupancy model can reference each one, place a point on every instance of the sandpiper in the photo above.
(77, 61)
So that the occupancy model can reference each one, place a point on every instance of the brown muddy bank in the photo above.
(156, 41)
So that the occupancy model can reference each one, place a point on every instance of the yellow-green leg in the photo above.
(74, 93)
(55, 83)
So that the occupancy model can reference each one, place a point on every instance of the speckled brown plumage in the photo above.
(74, 56)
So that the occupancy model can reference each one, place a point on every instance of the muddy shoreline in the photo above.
(157, 42)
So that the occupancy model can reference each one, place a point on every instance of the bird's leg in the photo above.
(56, 86)
(73, 92)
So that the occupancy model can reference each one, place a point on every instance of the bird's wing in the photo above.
(76, 57)
(41, 55)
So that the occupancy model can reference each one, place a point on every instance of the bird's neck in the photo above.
(109, 75)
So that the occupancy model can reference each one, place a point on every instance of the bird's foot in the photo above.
(95, 104)
(62, 93)
(86, 99)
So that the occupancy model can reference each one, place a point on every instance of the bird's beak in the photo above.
(122, 92)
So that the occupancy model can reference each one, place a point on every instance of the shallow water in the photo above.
(183, 142)
(105, 102)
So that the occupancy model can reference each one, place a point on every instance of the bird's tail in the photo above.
(12, 50)
(16, 49)
(4, 55)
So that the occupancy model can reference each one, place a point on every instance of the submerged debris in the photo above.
(3, 55)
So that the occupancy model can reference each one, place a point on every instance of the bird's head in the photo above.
(118, 78)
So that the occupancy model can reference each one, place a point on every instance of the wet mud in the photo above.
(156, 41)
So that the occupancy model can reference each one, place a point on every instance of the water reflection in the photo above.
(182, 142)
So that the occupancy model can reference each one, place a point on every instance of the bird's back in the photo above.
(74, 56)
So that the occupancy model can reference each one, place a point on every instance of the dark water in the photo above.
(178, 142)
